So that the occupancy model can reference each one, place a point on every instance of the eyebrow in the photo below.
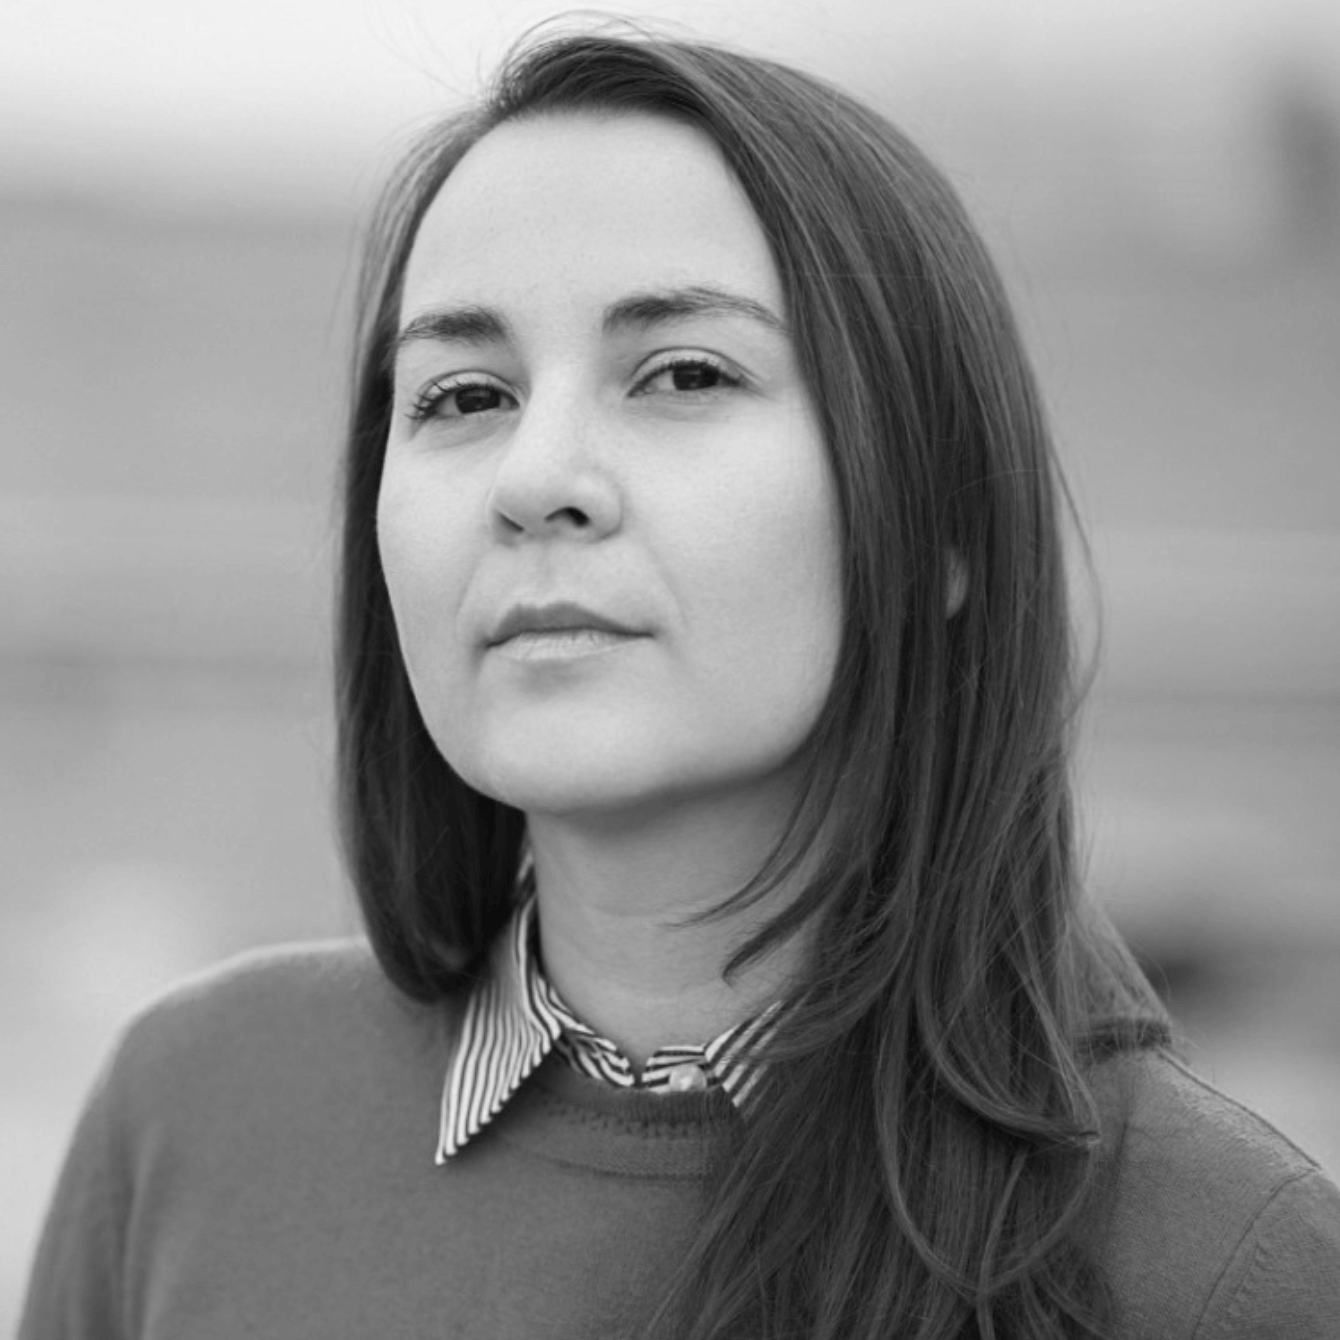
(454, 325)
(473, 324)
(641, 310)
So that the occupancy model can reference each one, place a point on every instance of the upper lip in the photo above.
(558, 616)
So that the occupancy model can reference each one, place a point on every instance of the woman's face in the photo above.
(606, 519)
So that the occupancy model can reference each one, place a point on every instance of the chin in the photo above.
(573, 769)
(621, 778)
(556, 771)
(574, 786)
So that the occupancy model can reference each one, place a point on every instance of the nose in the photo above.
(554, 476)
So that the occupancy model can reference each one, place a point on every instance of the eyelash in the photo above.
(426, 404)
(684, 362)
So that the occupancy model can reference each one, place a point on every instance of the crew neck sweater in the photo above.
(257, 1158)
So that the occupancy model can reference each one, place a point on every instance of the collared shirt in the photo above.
(514, 1018)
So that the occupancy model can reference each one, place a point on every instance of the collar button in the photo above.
(687, 1078)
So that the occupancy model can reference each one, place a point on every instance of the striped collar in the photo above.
(514, 1018)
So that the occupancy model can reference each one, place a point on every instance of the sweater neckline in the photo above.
(566, 1117)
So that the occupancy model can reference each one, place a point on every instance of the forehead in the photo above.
(588, 206)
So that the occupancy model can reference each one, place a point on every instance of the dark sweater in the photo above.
(257, 1159)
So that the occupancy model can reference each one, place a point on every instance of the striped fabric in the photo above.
(515, 1018)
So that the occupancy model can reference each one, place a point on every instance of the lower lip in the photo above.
(563, 644)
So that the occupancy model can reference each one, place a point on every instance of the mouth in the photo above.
(561, 627)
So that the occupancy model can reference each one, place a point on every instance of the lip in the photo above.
(563, 616)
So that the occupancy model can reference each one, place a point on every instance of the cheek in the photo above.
(769, 577)
(799, 599)
(425, 578)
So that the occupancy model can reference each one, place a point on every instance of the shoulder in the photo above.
(1211, 1217)
(272, 1021)
(298, 984)
(1167, 1130)
(301, 975)
(222, 1112)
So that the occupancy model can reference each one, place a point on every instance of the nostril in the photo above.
(574, 516)
(584, 504)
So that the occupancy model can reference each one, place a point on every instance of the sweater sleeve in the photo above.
(75, 1289)
(1283, 1281)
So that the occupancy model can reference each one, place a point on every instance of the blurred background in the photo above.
(180, 187)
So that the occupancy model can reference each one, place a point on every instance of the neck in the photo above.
(616, 903)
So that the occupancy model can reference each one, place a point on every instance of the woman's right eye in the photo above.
(459, 397)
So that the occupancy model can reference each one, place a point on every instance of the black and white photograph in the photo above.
(670, 672)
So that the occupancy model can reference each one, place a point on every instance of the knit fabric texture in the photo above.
(257, 1158)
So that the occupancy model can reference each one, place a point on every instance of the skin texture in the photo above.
(565, 432)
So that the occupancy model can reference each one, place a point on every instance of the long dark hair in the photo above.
(921, 1147)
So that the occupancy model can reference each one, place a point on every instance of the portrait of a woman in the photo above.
(706, 684)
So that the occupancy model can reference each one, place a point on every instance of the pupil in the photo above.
(476, 399)
(695, 377)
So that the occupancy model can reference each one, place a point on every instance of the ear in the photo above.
(958, 584)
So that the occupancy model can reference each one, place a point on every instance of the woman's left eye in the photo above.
(686, 375)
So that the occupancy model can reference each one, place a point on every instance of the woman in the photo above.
(705, 685)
